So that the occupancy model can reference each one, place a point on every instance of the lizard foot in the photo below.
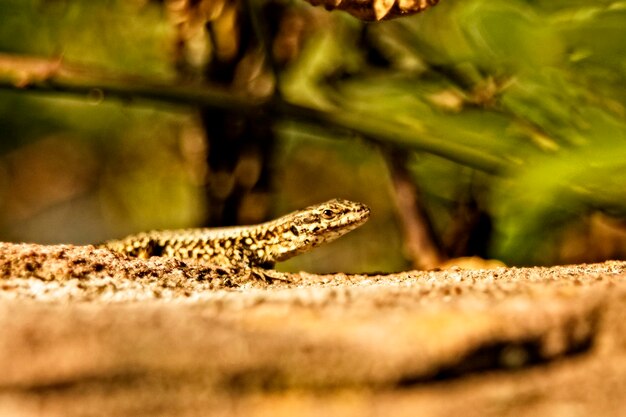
(270, 275)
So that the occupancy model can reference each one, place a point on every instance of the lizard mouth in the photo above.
(363, 215)
(353, 219)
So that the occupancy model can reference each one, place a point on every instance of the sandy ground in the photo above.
(87, 332)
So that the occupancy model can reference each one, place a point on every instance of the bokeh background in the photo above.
(488, 128)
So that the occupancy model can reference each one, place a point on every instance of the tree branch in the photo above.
(55, 77)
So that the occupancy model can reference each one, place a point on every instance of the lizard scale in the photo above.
(258, 245)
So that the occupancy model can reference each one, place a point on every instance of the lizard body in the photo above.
(258, 245)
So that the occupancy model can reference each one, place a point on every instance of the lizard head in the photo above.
(304, 229)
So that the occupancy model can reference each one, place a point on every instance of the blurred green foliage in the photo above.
(118, 35)
(533, 91)
(536, 84)
(140, 178)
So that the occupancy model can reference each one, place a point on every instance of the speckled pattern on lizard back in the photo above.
(250, 246)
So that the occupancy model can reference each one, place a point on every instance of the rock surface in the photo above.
(86, 332)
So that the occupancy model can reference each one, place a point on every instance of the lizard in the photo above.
(255, 248)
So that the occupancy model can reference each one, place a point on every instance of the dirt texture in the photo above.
(85, 332)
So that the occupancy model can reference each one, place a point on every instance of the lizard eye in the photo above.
(328, 214)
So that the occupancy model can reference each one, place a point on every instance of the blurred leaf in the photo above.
(105, 33)
(332, 49)
(532, 207)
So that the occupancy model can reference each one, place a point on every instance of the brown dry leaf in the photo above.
(376, 9)
(192, 45)
(25, 71)
(415, 6)
(382, 8)
(472, 263)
